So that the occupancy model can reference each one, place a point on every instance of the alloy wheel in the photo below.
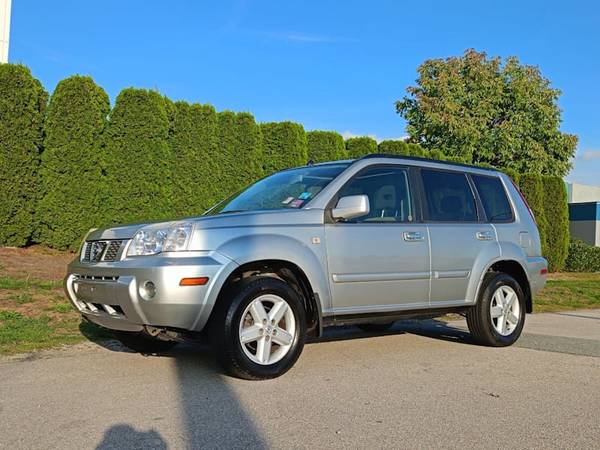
(505, 310)
(267, 329)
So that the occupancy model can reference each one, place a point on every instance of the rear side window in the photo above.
(449, 196)
(493, 196)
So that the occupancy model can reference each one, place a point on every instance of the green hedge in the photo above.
(71, 175)
(194, 145)
(139, 159)
(325, 146)
(393, 147)
(357, 147)
(284, 146)
(582, 257)
(22, 104)
(239, 157)
(533, 189)
(556, 212)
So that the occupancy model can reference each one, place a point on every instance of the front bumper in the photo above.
(108, 293)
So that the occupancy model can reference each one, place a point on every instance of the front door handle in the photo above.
(413, 236)
(484, 236)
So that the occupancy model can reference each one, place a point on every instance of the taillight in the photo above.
(524, 200)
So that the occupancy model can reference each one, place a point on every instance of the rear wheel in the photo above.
(258, 328)
(375, 327)
(499, 315)
(141, 343)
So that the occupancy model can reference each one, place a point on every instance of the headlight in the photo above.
(154, 239)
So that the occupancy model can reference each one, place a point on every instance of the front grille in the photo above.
(112, 250)
(95, 251)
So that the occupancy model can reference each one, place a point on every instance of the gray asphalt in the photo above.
(422, 385)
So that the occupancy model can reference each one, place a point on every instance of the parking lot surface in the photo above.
(421, 385)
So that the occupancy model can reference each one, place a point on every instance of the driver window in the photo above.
(388, 192)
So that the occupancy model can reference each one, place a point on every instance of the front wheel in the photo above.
(258, 328)
(498, 317)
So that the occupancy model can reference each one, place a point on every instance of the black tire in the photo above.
(375, 327)
(142, 343)
(225, 322)
(479, 319)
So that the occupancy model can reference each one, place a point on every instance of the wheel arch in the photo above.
(286, 271)
(516, 270)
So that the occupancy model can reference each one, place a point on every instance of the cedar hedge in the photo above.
(284, 146)
(325, 146)
(194, 144)
(557, 222)
(357, 147)
(22, 104)
(71, 171)
(138, 169)
(393, 147)
(533, 189)
(239, 156)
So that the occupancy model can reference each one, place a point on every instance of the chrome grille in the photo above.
(95, 251)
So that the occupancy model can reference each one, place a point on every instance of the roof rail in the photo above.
(418, 158)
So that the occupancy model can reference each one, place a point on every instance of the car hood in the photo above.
(284, 217)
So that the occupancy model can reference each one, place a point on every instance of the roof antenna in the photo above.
(310, 162)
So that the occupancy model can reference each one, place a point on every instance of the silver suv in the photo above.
(362, 242)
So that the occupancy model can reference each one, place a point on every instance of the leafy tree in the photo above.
(556, 210)
(22, 105)
(284, 146)
(194, 143)
(488, 110)
(325, 146)
(139, 159)
(358, 147)
(71, 169)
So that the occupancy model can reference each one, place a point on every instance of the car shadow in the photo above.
(431, 328)
(211, 412)
(125, 436)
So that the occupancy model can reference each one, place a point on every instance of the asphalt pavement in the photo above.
(421, 385)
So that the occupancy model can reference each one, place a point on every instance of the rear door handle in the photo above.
(484, 236)
(413, 236)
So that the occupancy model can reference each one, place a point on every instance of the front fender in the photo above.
(300, 250)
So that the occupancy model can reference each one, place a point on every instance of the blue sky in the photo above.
(326, 64)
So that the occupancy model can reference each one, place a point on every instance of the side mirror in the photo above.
(351, 207)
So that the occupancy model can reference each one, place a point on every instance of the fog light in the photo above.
(148, 290)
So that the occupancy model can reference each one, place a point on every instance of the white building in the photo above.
(4, 29)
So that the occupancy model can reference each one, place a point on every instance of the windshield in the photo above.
(288, 189)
